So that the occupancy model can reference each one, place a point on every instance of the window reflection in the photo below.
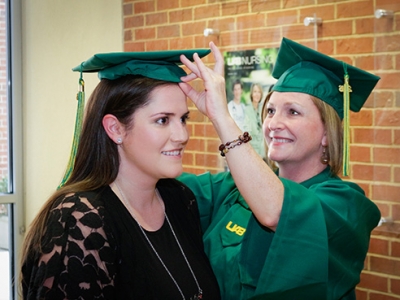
(4, 253)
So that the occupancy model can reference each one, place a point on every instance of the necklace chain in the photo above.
(200, 291)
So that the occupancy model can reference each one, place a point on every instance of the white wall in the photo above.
(57, 36)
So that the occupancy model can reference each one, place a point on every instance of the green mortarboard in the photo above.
(342, 86)
(304, 70)
(160, 65)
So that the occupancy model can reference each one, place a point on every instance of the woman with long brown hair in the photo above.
(120, 227)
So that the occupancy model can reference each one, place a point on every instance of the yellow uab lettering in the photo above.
(236, 228)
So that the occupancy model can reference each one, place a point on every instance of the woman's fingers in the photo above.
(219, 60)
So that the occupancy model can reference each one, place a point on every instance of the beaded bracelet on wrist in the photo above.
(244, 138)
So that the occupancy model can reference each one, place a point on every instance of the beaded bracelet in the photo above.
(224, 148)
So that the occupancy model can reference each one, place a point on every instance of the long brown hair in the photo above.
(97, 159)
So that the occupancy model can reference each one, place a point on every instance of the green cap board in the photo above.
(161, 65)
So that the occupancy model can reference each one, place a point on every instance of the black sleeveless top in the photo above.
(96, 250)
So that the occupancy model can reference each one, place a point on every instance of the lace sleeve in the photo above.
(78, 254)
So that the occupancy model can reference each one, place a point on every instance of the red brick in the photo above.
(395, 250)
(380, 99)
(193, 28)
(206, 159)
(384, 208)
(388, 80)
(396, 137)
(251, 21)
(385, 192)
(361, 294)
(188, 158)
(185, 3)
(278, 18)
(196, 116)
(387, 43)
(396, 171)
(204, 12)
(326, 47)
(168, 31)
(181, 15)
(385, 265)
(394, 286)
(262, 5)
(127, 35)
(167, 5)
(145, 33)
(364, 25)
(156, 45)
(372, 62)
(371, 281)
(196, 144)
(235, 38)
(388, 4)
(372, 136)
(386, 155)
(371, 172)
(262, 36)
(387, 117)
(134, 21)
(337, 28)
(352, 9)
(396, 210)
(236, 8)
(156, 18)
(360, 154)
(127, 9)
(297, 33)
(134, 46)
(379, 246)
(143, 7)
(362, 118)
(325, 12)
(377, 296)
(355, 45)
(212, 145)
(297, 3)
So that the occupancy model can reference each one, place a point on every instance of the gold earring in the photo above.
(325, 156)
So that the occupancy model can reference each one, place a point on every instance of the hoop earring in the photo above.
(325, 156)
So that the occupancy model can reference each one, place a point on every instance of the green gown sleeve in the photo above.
(212, 192)
(319, 246)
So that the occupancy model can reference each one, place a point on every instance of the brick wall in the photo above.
(349, 32)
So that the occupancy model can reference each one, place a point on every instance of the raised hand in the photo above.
(212, 100)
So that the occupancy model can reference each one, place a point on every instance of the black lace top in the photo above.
(94, 249)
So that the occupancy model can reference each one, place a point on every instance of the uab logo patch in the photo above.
(239, 230)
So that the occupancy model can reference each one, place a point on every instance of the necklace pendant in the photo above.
(199, 296)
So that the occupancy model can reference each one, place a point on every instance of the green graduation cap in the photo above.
(160, 65)
(342, 86)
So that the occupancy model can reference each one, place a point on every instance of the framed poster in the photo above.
(248, 80)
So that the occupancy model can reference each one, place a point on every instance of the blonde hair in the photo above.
(334, 133)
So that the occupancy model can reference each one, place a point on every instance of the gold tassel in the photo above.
(346, 89)
(77, 132)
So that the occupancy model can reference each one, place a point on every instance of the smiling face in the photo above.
(256, 94)
(154, 145)
(294, 131)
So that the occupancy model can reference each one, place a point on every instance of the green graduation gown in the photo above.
(317, 251)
